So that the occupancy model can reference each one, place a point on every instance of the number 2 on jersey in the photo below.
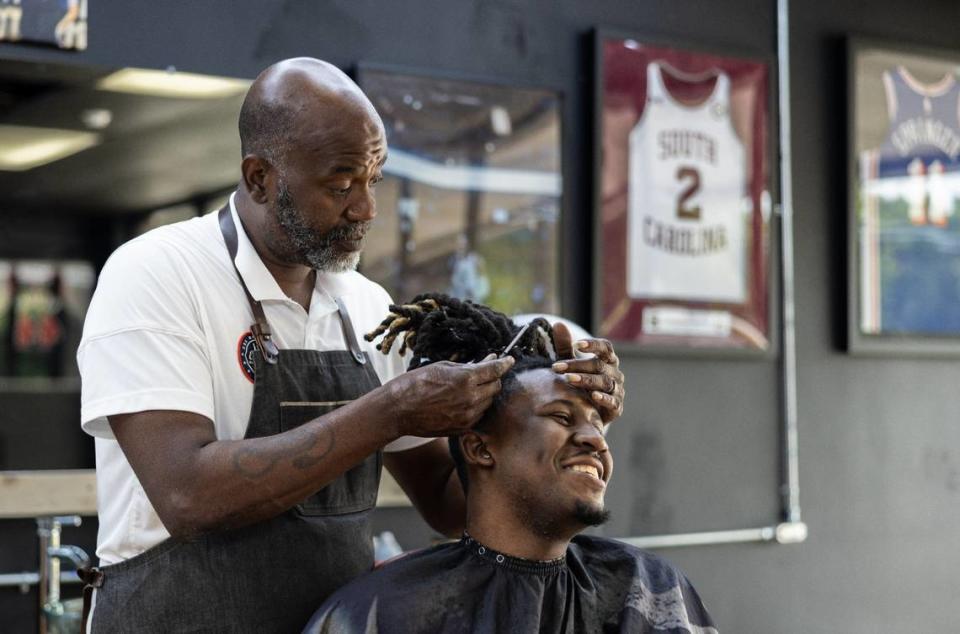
(690, 176)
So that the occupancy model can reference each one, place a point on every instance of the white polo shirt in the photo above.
(165, 331)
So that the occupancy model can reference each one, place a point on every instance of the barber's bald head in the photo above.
(313, 151)
(294, 97)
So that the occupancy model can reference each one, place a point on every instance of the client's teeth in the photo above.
(586, 469)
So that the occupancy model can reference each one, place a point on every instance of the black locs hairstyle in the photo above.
(437, 327)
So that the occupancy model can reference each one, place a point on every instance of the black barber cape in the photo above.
(601, 585)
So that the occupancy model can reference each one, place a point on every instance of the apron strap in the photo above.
(348, 333)
(260, 328)
(92, 577)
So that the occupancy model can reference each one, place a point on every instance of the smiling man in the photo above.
(535, 470)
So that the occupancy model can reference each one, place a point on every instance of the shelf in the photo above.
(74, 492)
(56, 492)
(40, 385)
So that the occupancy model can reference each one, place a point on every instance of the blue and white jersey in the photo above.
(924, 123)
(909, 242)
(919, 159)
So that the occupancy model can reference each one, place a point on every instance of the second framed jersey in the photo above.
(904, 216)
(682, 202)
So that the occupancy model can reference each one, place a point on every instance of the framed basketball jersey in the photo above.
(904, 229)
(682, 202)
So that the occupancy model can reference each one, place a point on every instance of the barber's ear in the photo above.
(475, 451)
(255, 172)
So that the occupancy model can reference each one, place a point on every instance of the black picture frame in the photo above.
(680, 346)
(895, 214)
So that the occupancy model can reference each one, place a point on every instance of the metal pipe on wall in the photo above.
(784, 533)
(791, 458)
(739, 536)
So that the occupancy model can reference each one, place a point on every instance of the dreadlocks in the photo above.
(437, 327)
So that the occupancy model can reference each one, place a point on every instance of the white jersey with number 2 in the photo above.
(687, 215)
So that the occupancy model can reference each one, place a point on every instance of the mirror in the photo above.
(89, 157)
(86, 150)
(471, 197)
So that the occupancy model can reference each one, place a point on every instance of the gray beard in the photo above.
(317, 251)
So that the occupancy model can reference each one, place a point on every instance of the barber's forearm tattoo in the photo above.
(319, 449)
(255, 462)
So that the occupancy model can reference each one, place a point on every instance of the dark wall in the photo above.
(879, 466)
(697, 447)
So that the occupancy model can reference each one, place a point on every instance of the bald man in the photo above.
(240, 423)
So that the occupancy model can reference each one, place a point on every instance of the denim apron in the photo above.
(270, 576)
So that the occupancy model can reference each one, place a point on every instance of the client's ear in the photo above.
(475, 450)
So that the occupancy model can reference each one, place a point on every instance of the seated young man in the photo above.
(535, 470)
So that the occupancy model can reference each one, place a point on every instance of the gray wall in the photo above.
(697, 446)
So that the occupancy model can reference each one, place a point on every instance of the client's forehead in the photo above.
(543, 385)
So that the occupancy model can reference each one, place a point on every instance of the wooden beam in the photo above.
(57, 492)
(74, 492)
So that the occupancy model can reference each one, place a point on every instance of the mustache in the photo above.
(355, 231)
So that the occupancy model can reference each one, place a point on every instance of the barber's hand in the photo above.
(445, 398)
(601, 375)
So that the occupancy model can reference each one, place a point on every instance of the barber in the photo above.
(240, 422)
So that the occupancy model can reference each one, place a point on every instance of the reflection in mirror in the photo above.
(42, 306)
(86, 152)
(62, 24)
(470, 201)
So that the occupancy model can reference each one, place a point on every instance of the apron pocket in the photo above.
(355, 490)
